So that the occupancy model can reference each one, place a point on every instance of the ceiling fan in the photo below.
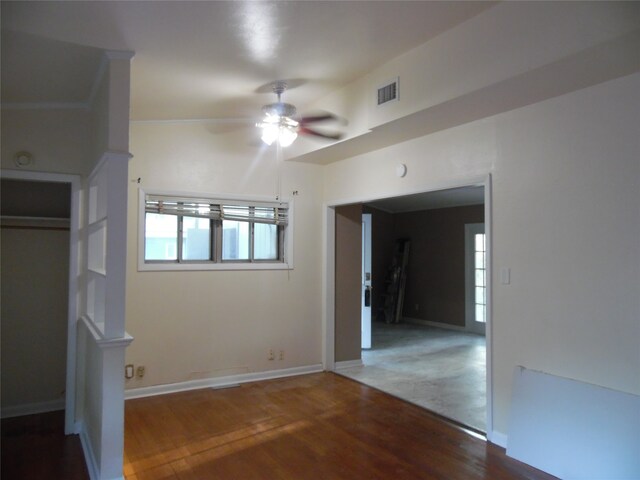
(280, 123)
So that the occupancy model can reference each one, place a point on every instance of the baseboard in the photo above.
(89, 457)
(349, 364)
(220, 381)
(429, 323)
(498, 438)
(33, 408)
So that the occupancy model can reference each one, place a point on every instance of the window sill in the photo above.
(177, 267)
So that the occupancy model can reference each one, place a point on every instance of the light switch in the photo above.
(505, 276)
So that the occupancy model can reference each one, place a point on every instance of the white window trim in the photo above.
(286, 264)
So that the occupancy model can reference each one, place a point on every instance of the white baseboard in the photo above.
(429, 323)
(220, 381)
(349, 364)
(89, 457)
(498, 438)
(32, 408)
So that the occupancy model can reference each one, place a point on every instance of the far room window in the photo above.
(476, 262)
(201, 231)
(480, 277)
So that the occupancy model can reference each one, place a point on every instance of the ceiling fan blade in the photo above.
(317, 118)
(329, 136)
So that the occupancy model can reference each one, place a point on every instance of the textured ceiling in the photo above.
(209, 59)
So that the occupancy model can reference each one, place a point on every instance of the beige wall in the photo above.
(436, 271)
(35, 274)
(565, 220)
(348, 270)
(197, 325)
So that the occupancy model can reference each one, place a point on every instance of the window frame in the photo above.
(284, 238)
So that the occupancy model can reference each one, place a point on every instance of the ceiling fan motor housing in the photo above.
(279, 109)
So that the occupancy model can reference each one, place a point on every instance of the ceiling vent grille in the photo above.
(388, 92)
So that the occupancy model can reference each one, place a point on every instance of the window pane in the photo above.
(196, 238)
(264, 212)
(160, 237)
(236, 210)
(481, 313)
(479, 240)
(265, 241)
(480, 295)
(479, 260)
(480, 278)
(235, 240)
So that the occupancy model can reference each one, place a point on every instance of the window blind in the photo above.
(274, 213)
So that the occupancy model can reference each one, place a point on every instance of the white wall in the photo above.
(566, 220)
(59, 140)
(198, 325)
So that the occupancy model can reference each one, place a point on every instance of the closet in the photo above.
(34, 282)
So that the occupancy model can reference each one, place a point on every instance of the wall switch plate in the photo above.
(505, 276)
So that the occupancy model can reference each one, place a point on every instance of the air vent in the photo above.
(388, 92)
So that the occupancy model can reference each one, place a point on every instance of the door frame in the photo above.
(72, 302)
(328, 271)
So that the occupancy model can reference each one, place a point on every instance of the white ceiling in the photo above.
(209, 59)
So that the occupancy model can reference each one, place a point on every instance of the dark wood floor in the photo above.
(35, 447)
(319, 426)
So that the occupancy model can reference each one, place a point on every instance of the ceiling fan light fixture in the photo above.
(278, 128)
(287, 136)
(270, 132)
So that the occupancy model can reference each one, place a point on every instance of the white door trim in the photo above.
(72, 316)
(328, 318)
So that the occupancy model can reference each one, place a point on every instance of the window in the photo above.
(200, 233)
(480, 278)
(475, 278)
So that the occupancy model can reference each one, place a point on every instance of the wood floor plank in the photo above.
(319, 426)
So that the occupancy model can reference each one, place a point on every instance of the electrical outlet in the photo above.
(271, 355)
(128, 371)
(281, 354)
(140, 371)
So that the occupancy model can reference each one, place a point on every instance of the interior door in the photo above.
(366, 280)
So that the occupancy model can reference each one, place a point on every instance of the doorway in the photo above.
(366, 281)
(458, 337)
(39, 283)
